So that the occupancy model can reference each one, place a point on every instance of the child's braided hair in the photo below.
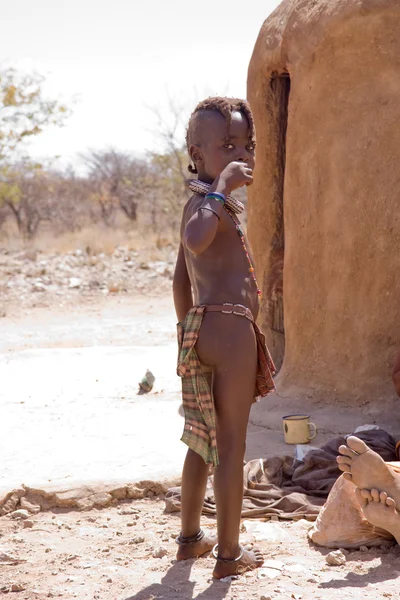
(225, 106)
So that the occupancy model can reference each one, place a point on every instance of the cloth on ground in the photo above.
(289, 488)
(197, 399)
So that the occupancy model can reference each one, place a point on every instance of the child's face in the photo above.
(217, 150)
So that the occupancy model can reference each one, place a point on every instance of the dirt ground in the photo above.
(126, 551)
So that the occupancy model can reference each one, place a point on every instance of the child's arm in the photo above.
(396, 374)
(203, 225)
(182, 288)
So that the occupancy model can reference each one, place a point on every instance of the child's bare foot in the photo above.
(248, 561)
(195, 549)
(380, 510)
(366, 469)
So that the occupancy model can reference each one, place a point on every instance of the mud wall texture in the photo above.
(324, 210)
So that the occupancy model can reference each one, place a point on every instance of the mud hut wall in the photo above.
(341, 199)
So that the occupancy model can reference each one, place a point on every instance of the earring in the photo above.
(192, 169)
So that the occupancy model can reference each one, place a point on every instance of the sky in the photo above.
(113, 61)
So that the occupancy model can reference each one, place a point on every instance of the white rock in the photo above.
(159, 552)
(21, 513)
(335, 558)
(75, 282)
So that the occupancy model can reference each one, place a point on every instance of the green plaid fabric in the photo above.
(197, 397)
(200, 431)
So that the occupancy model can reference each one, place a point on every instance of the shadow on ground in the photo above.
(176, 585)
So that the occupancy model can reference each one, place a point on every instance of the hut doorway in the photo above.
(279, 105)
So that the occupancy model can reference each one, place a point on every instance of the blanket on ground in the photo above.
(289, 488)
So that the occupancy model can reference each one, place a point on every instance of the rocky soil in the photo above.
(127, 553)
(31, 278)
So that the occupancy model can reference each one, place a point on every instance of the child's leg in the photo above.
(194, 482)
(233, 393)
(234, 383)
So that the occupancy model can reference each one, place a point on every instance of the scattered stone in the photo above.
(28, 524)
(265, 597)
(18, 587)
(39, 286)
(33, 508)
(75, 282)
(7, 559)
(20, 514)
(363, 549)
(335, 558)
(147, 383)
(160, 552)
(129, 511)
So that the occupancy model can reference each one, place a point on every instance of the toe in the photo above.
(356, 444)
(375, 495)
(347, 476)
(367, 495)
(343, 461)
(360, 498)
(390, 502)
(383, 497)
(346, 451)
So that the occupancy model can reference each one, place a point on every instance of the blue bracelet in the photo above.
(220, 197)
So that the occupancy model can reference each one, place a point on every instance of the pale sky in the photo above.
(117, 57)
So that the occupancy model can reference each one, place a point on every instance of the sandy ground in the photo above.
(126, 550)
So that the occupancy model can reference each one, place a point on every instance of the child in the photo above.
(223, 361)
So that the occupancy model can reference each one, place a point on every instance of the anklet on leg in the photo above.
(228, 560)
(190, 539)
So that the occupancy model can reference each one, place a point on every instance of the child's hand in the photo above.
(232, 177)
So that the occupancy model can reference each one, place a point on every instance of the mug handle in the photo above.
(311, 436)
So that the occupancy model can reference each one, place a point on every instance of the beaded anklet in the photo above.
(180, 540)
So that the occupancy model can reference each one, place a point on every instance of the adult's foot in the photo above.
(196, 549)
(248, 561)
(366, 469)
(380, 510)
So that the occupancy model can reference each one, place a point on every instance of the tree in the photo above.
(25, 193)
(24, 111)
(120, 180)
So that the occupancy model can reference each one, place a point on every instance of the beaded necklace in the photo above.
(233, 207)
(200, 187)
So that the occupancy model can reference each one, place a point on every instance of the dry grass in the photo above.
(94, 239)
